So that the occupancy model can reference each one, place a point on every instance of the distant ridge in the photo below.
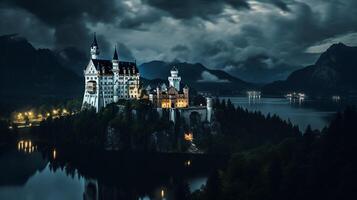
(28, 74)
(195, 75)
(335, 72)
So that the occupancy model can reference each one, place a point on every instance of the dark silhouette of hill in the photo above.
(333, 73)
(29, 74)
(196, 76)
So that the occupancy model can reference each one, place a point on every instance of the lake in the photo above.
(38, 172)
(316, 113)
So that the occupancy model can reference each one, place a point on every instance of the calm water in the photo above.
(316, 113)
(33, 172)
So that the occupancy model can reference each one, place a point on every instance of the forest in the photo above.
(315, 165)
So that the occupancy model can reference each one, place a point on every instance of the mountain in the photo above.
(73, 59)
(196, 76)
(29, 74)
(333, 73)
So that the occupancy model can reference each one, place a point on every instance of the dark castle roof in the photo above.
(105, 67)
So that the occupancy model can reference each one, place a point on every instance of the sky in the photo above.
(255, 40)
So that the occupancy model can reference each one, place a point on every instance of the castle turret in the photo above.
(174, 79)
(115, 62)
(94, 48)
(209, 107)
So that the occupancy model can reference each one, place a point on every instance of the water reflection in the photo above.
(85, 173)
(26, 146)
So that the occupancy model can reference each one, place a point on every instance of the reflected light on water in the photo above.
(54, 154)
(162, 193)
(26, 146)
(188, 163)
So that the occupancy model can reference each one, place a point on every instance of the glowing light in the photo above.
(55, 112)
(188, 137)
(188, 163)
(54, 153)
(162, 193)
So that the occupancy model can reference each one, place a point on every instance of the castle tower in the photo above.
(209, 107)
(174, 79)
(94, 48)
(115, 62)
(186, 94)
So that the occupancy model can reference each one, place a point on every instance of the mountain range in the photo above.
(196, 76)
(334, 72)
(29, 74)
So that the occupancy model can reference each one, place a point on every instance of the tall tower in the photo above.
(94, 48)
(174, 79)
(115, 62)
(209, 107)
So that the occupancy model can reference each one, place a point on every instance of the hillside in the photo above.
(333, 73)
(29, 75)
(196, 76)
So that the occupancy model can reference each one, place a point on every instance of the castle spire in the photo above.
(94, 49)
(94, 43)
(115, 56)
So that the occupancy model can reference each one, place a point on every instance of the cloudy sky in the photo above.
(256, 40)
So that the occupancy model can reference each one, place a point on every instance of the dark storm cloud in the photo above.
(196, 8)
(255, 39)
(179, 48)
(124, 52)
(68, 18)
(282, 4)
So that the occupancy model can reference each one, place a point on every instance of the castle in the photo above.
(172, 96)
(107, 81)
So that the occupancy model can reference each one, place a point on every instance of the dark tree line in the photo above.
(132, 125)
(239, 129)
(6, 135)
(315, 165)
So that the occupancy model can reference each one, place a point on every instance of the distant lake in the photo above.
(316, 113)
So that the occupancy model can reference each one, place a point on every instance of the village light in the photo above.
(188, 137)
